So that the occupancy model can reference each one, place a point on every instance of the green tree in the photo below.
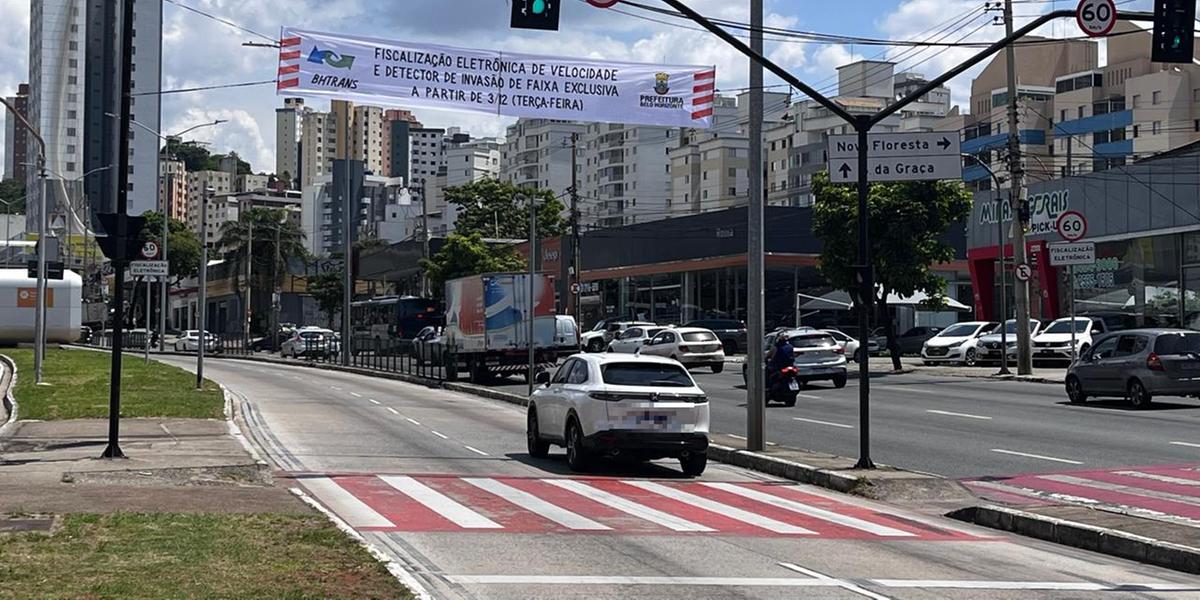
(252, 240)
(490, 208)
(906, 222)
(183, 245)
(326, 287)
(12, 197)
(463, 255)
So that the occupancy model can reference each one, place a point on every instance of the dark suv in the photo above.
(731, 332)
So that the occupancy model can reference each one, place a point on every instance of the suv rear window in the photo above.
(812, 341)
(699, 336)
(1177, 343)
(645, 374)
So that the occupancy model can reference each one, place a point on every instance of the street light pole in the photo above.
(532, 302)
(756, 417)
(202, 293)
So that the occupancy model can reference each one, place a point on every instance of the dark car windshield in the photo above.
(961, 330)
(1177, 343)
(1065, 326)
(645, 374)
(699, 336)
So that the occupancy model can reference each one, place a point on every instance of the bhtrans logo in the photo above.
(331, 58)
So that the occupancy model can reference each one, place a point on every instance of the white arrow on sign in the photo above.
(900, 168)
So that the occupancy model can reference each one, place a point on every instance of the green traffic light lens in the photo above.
(1176, 41)
(539, 6)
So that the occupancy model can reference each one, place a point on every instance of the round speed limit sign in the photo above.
(1071, 226)
(1096, 17)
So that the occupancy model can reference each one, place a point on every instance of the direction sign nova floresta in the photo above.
(897, 157)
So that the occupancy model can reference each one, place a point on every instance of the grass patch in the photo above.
(133, 556)
(79, 388)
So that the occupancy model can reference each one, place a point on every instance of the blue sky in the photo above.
(199, 51)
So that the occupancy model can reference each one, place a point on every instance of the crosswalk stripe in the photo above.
(724, 510)
(536, 505)
(1160, 477)
(353, 511)
(810, 511)
(1125, 489)
(440, 503)
(627, 506)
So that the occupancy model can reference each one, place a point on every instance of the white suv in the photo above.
(597, 405)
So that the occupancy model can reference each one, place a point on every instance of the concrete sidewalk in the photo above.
(174, 465)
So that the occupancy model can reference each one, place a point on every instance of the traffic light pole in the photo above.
(862, 125)
(113, 449)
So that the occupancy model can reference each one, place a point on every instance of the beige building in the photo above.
(318, 147)
(221, 183)
(289, 130)
(368, 135)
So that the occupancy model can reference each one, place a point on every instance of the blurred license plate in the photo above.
(655, 420)
(792, 385)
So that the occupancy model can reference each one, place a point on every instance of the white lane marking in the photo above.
(1188, 444)
(567, 580)
(1037, 456)
(334, 387)
(413, 421)
(392, 410)
(1124, 489)
(809, 396)
(440, 503)
(845, 585)
(536, 505)
(958, 414)
(441, 435)
(1158, 477)
(475, 450)
(353, 511)
(823, 423)
(626, 506)
(736, 436)
(724, 510)
(806, 582)
(356, 394)
(373, 401)
(810, 511)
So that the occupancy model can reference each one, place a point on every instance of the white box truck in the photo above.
(487, 325)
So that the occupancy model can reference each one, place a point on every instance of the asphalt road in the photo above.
(404, 466)
(963, 427)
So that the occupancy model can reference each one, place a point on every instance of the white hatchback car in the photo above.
(595, 405)
(957, 343)
(692, 346)
(634, 338)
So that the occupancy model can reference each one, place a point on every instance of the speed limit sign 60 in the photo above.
(1096, 17)
(1071, 226)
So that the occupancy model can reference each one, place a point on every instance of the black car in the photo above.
(914, 339)
(731, 332)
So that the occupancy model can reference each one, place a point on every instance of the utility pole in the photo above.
(532, 307)
(203, 291)
(349, 215)
(276, 289)
(1017, 182)
(113, 449)
(425, 291)
(576, 254)
(756, 422)
(249, 270)
(168, 201)
(39, 324)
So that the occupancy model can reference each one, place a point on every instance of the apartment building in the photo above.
(16, 137)
(173, 189)
(466, 163)
(427, 156)
(396, 124)
(536, 153)
(367, 138)
(317, 146)
(198, 182)
(289, 136)
(378, 200)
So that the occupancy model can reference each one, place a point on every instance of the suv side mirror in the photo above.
(542, 378)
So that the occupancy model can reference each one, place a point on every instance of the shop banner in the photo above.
(501, 83)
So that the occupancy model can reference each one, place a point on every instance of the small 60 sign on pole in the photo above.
(1096, 18)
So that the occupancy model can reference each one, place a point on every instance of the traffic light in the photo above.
(535, 14)
(1174, 28)
(115, 247)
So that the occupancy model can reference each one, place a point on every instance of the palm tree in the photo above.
(254, 237)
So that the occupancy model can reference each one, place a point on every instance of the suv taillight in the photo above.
(839, 349)
(604, 396)
(1154, 363)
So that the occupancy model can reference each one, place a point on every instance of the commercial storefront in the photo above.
(1145, 221)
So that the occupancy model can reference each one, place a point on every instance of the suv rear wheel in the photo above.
(578, 457)
(693, 464)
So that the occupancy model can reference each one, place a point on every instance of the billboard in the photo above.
(368, 69)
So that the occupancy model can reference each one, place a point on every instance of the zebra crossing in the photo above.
(1163, 492)
(598, 506)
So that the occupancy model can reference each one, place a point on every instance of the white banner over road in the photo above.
(500, 83)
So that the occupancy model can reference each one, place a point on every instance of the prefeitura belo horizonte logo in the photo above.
(331, 58)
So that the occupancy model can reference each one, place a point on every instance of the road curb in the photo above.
(787, 469)
(1112, 542)
(11, 408)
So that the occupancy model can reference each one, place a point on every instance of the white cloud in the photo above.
(14, 46)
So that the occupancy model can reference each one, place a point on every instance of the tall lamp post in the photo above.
(166, 206)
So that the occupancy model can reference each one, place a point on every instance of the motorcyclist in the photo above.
(783, 355)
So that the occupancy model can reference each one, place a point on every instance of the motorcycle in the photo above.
(784, 387)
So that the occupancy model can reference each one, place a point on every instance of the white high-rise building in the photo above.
(289, 122)
(318, 146)
(537, 153)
